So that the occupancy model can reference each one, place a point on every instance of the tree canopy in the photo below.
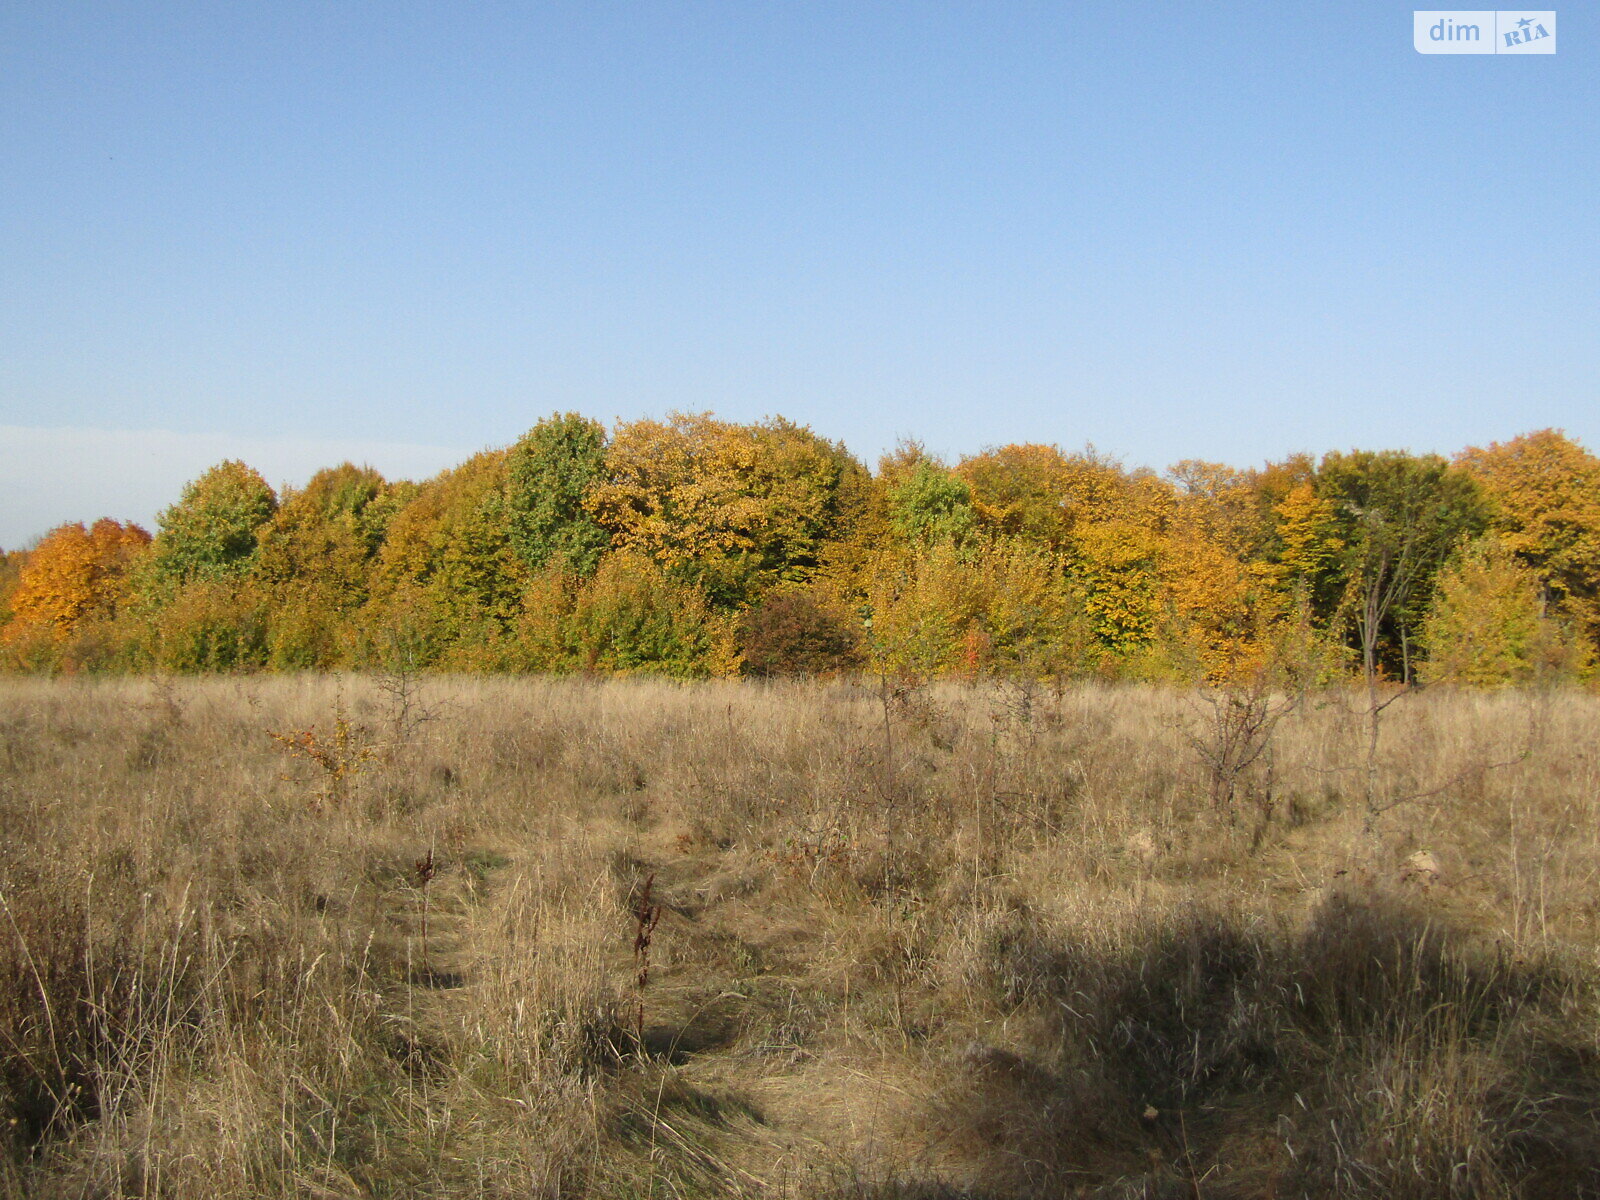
(693, 545)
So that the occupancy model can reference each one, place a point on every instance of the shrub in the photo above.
(209, 626)
(793, 633)
(633, 616)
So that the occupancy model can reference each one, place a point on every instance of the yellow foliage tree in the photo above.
(314, 560)
(11, 562)
(1116, 567)
(1022, 490)
(1310, 545)
(738, 506)
(942, 609)
(1487, 626)
(1545, 492)
(1115, 547)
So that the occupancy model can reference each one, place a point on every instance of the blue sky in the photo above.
(402, 232)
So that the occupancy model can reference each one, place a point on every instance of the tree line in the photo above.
(693, 547)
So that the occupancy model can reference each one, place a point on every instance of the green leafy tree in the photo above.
(634, 617)
(207, 626)
(1399, 518)
(212, 531)
(932, 506)
(447, 574)
(549, 473)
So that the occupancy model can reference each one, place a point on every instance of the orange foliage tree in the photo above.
(1218, 593)
(74, 573)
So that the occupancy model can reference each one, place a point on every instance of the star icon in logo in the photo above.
(1525, 22)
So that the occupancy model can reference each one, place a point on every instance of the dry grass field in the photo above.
(274, 937)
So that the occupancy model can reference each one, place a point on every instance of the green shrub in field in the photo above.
(633, 616)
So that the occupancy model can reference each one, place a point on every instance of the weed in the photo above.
(646, 914)
(340, 756)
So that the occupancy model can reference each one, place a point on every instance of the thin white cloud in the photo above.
(51, 476)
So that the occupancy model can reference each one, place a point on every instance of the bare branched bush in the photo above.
(1234, 740)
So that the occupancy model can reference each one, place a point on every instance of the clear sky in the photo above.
(403, 232)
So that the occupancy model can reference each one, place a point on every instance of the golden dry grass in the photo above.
(965, 941)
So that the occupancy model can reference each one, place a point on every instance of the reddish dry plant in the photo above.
(340, 757)
(808, 855)
(426, 870)
(645, 916)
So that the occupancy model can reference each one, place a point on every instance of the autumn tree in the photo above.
(73, 574)
(1224, 503)
(1000, 603)
(447, 572)
(1107, 525)
(858, 537)
(633, 616)
(1021, 491)
(211, 532)
(1219, 598)
(798, 633)
(1308, 550)
(1115, 567)
(1544, 489)
(549, 473)
(206, 625)
(314, 561)
(326, 532)
(11, 563)
(1020, 558)
(1115, 549)
(733, 507)
(1487, 625)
